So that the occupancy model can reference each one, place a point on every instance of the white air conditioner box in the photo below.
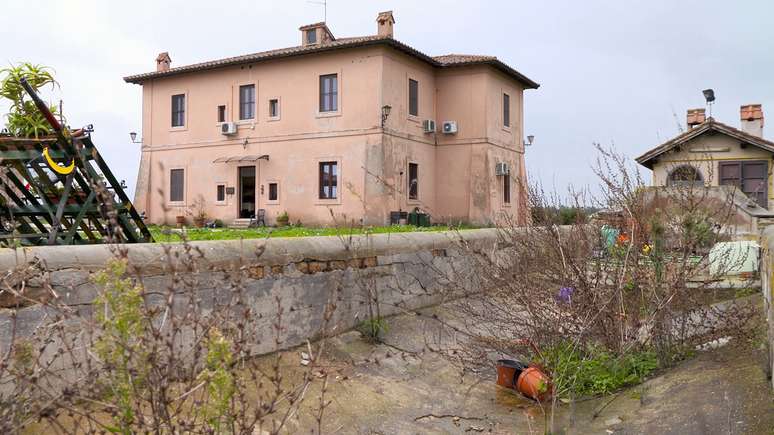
(450, 127)
(428, 126)
(228, 128)
(502, 169)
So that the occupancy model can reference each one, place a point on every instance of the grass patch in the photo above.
(594, 371)
(171, 234)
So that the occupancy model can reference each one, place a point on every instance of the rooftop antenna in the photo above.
(677, 120)
(709, 95)
(324, 4)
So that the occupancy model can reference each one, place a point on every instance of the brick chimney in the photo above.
(752, 119)
(163, 61)
(695, 117)
(384, 21)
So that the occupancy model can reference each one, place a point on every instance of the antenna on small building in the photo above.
(324, 4)
(709, 95)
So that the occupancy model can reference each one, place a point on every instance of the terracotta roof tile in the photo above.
(450, 60)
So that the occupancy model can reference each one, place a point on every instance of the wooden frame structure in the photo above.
(61, 192)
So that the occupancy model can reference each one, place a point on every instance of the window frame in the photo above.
(415, 195)
(218, 113)
(507, 190)
(279, 108)
(308, 33)
(333, 184)
(170, 199)
(506, 111)
(413, 110)
(332, 96)
(270, 201)
(184, 110)
(242, 104)
(218, 185)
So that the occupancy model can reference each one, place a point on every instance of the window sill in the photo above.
(267, 203)
(414, 201)
(181, 128)
(246, 121)
(414, 118)
(336, 201)
(220, 203)
(273, 118)
(506, 205)
(328, 114)
(508, 129)
(175, 203)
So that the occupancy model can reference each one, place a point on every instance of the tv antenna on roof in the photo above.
(324, 4)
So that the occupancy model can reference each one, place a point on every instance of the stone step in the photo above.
(240, 224)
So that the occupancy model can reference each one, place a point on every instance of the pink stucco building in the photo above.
(335, 128)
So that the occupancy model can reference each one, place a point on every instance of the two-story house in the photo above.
(335, 128)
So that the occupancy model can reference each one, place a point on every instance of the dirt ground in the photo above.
(399, 388)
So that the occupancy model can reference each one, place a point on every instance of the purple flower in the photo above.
(565, 295)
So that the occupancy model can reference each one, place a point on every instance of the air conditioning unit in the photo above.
(428, 126)
(502, 169)
(449, 127)
(228, 128)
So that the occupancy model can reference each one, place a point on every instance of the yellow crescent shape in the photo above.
(64, 170)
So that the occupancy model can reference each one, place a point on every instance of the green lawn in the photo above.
(172, 234)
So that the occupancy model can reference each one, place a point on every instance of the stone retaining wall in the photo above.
(767, 284)
(407, 270)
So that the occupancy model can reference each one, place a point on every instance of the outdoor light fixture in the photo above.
(709, 95)
(530, 139)
(385, 113)
(133, 136)
(123, 184)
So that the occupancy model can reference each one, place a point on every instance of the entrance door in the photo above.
(246, 175)
(749, 176)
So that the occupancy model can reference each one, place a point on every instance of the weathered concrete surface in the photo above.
(407, 271)
(392, 388)
(767, 285)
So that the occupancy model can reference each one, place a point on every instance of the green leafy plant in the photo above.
(219, 379)
(23, 118)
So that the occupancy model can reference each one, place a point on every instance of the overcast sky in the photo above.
(610, 71)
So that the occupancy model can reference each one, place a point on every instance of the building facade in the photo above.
(711, 153)
(334, 129)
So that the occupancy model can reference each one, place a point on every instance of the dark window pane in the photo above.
(329, 93)
(506, 110)
(328, 180)
(247, 102)
(176, 185)
(178, 110)
(221, 113)
(221, 193)
(311, 36)
(507, 189)
(413, 97)
(274, 108)
(273, 191)
(413, 181)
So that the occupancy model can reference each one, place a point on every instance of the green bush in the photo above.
(374, 328)
(24, 119)
(593, 371)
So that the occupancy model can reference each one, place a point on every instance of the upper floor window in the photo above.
(686, 175)
(328, 180)
(506, 110)
(176, 185)
(221, 113)
(274, 108)
(329, 93)
(413, 181)
(311, 36)
(413, 97)
(247, 102)
(178, 110)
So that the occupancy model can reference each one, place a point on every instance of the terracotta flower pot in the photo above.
(180, 220)
(508, 372)
(534, 384)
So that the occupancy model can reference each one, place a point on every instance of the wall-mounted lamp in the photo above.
(133, 136)
(530, 139)
(123, 184)
(385, 113)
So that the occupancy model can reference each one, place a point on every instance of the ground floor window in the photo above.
(176, 185)
(685, 175)
(328, 180)
(507, 189)
(273, 192)
(413, 181)
(220, 194)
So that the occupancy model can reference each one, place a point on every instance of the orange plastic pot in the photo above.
(534, 384)
(508, 372)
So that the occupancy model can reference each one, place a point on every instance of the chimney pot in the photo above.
(384, 22)
(751, 116)
(695, 117)
(163, 61)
